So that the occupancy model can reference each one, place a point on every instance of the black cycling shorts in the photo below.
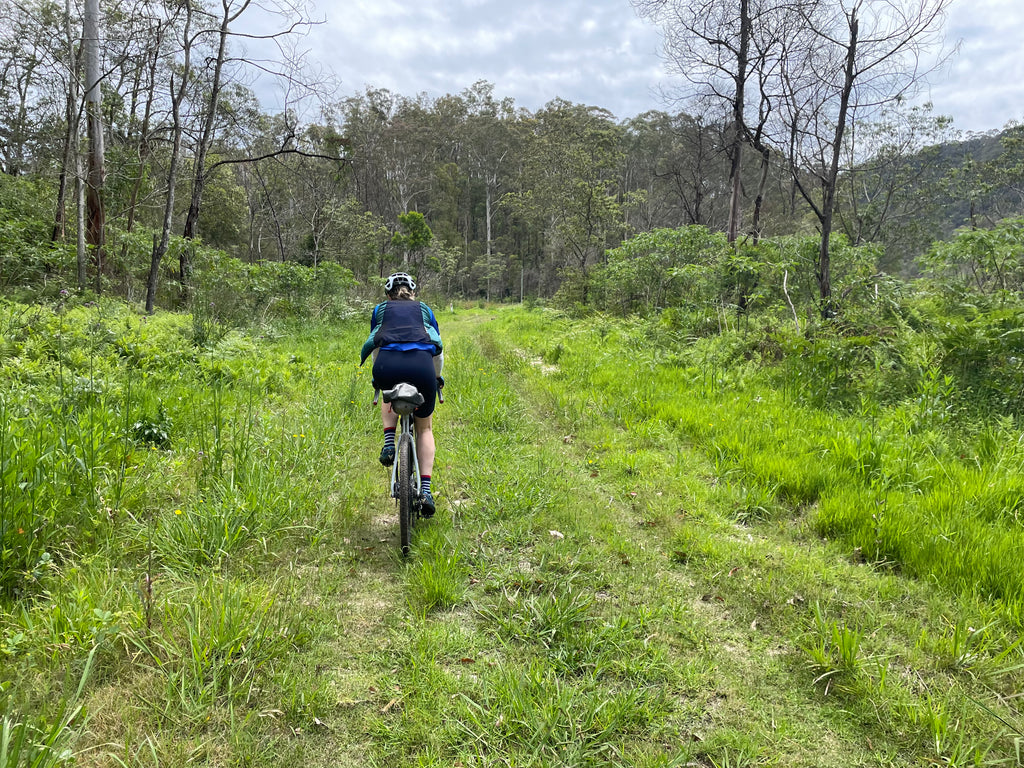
(416, 367)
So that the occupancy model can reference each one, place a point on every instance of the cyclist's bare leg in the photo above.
(389, 417)
(425, 444)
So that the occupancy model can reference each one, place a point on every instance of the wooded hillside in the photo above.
(511, 200)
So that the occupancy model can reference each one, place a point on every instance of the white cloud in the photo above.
(982, 86)
(599, 52)
(531, 50)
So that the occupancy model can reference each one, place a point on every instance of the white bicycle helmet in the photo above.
(399, 279)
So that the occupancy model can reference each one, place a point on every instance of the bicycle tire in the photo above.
(406, 510)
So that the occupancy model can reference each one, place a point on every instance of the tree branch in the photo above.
(275, 153)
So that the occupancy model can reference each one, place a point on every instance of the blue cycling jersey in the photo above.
(403, 326)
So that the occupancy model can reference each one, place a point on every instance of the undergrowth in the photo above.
(646, 553)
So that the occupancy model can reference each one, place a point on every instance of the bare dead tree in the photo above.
(177, 94)
(854, 57)
(712, 45)
(71, 128)
(286, 67)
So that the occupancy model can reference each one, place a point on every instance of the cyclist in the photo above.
(405, 343)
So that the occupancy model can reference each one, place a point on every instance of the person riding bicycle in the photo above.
(405, 343)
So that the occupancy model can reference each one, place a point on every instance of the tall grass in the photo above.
(903, 486)
(140, 475)
(643, 555)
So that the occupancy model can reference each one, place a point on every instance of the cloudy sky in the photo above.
(598, 52)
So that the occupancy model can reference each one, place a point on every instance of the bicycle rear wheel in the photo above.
(406, 510)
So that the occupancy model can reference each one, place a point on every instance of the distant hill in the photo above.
(953, 185)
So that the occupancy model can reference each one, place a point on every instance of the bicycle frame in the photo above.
(406, 487)
(406, 426)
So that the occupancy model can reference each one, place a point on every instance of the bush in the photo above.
(27, 254)
(661, 268)
(228, 290)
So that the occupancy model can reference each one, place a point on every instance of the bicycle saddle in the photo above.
(403, 393)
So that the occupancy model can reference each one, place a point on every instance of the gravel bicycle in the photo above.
(405, 472)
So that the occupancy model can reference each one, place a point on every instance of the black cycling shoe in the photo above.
(427, 507)
(387, 455)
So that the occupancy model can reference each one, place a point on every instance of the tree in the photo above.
(413, 236)
(230, 12)
(177, 94)
(570, 184)
(95, 229)
(852, 58)
(22, 72)
(491, 144)
(675, 161)
(710, 43)
(894, 183)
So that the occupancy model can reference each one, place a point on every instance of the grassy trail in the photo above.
(602, 586)
(532, 624)
(578, 601)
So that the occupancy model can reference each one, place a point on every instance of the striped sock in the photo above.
(425, 483)
(389, 437)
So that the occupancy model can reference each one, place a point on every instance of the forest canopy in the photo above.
(516, 203)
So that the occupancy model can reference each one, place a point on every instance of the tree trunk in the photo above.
(824, 271)
(206, 138)
(95, 231)
(82, 259)
(177, 97)
(487, 214)
(142, 148)
(738, 124)
(71, 113)
(762, 183)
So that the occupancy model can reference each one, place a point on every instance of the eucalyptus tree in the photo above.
(364, 121)
(135, 105)
(569, 190)
(318, 193)
(448, 199)
(221, 69)
(391, 144)
(1003, 175)
(24, 39)
(675, 160)
(412, 153)
(492, 146)
(356, 238)
(96, 212)
(178, 88)
(268, 186)
(852, 58)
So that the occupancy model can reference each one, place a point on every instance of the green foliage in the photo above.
(437, 575)
(45, 745)
(27, 256)
(356, 239)
(696, 275)
(662, 268)
(223, 214)
(230, 634)
(988, 261)
(570, 189)
(834, 651)
(632, 529)
(414, 235)
(230, 291)
(154, 430)
(982, 351)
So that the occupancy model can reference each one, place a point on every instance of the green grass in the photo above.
(640, 557)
